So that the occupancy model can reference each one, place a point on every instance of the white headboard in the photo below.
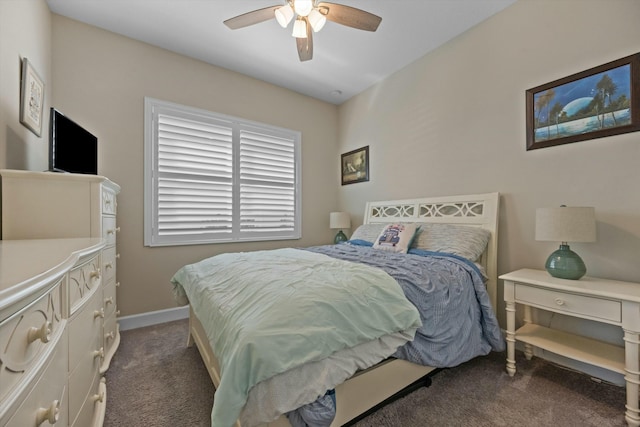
(475, 210)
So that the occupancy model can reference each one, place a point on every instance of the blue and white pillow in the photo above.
(396, 237)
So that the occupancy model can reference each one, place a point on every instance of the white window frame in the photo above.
(152, 107)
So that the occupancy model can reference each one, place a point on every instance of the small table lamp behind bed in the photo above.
(339, 221)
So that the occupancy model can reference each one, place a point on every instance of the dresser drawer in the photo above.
(563, 302)
(83, 280)
(111, 340)
(109, 205)
(109, 264)
(83, 330)
(109, 299)
(82, 378)
(110, 332)
(27, 336)
(47, 397)
(109, 229)
(88, 411)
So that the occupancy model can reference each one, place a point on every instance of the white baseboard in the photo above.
(153, 318)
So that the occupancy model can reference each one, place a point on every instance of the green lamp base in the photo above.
(340, 237)
(565, 264)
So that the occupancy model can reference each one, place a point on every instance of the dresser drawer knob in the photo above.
(108, 301)
(98, 313)
(117, 312)
(117, 229)
(95, 274)
(559, 301)
(43, 333)
(98, 397)
(99, 353)
(117, 284)
(109, 336)
(117, 256)
(49, 414)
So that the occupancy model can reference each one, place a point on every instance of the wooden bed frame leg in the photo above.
(190, 340)
(427, 382)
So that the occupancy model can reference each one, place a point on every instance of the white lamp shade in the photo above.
(284, 15)
(339, 220)
(566, 224)
(299, 29)
(317, 20)
(303, 7)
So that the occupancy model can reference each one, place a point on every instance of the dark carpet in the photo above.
(155, 380)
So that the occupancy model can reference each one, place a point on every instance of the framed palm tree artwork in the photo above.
(599, 102)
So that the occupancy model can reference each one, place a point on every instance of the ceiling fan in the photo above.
(309, 15)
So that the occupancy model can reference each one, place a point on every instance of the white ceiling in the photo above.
(345, 61)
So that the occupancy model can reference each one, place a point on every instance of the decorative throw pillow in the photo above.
(461, 240)
(396, 237)
(367, 232)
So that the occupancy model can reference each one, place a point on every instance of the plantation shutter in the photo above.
(213, 178)
(195, 177)
(267, 183)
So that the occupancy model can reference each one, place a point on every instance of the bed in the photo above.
(385, 371)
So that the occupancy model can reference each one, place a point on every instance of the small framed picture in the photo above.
(355, 166)
(31, 98)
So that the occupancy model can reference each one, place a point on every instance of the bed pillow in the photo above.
(396, 237)
(467, 242)
(367, 232)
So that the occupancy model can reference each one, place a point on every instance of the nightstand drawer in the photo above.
(563, 302)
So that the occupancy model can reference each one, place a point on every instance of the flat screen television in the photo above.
(72, 148)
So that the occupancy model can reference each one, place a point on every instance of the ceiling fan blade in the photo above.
(250, 18)
(305, 46)
(350, 16)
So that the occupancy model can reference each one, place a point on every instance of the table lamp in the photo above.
(566, 224)
(339, 221)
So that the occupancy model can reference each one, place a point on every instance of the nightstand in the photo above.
(600, 300)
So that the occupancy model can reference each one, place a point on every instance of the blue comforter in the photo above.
(458, 322)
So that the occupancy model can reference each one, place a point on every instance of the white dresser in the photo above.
(58, 328)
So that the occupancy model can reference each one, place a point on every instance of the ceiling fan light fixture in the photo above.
(317, 20)
(303, 7)
(299, 29)
(311, 17)
(284, 15)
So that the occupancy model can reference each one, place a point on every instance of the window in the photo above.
(213, 178)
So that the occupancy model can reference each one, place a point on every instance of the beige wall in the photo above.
(450, 123)
(25, 32)
(453, 122)
(101, 80)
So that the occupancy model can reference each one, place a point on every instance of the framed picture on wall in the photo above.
(602, 101)
(31, 98)
(355, 166)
